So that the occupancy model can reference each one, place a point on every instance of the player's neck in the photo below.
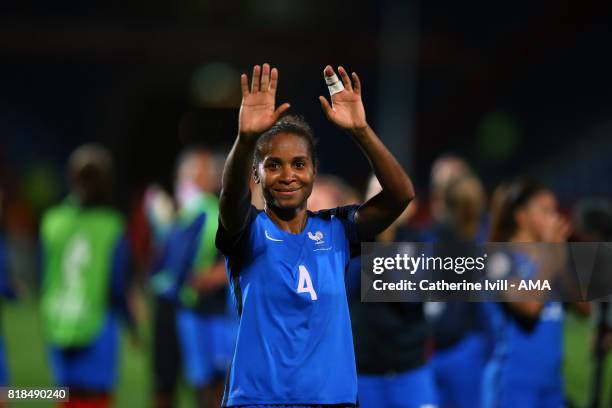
(292, 220)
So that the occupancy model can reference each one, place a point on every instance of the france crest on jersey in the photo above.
(294, 342)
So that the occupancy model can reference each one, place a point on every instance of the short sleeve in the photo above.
(346, 215)
(237, 243)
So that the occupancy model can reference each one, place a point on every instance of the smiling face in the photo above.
(286, 172)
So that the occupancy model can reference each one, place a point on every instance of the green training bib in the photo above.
(78, 249)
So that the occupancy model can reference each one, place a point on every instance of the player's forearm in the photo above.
(214, 278)
(235, 193)
(396, 185)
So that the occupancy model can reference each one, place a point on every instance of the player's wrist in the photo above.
(361, 130)
(247, 138)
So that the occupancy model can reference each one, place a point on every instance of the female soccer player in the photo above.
(526, 367)
(287, 265)
(85, 270)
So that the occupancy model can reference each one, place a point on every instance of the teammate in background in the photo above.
(446, 169)
(85, 265)
(460, 343)
(199, 286)
(391, 338)
(443, 170)
(330, 191)
(525, 369)
(287, 265)
(166, 358)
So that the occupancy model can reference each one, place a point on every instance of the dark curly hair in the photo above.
(293, 124)
(508, 198)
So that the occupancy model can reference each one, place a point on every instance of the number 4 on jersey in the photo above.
(305, 283)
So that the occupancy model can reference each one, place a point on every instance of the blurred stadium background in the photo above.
(516, 88)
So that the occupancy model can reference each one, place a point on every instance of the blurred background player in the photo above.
(525, 369)
(85, 267)
(460, 346)
(444, 171)
(160, 212)
(330, 191)
(391, 338)
(198, 278)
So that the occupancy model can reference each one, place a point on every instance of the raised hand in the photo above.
(558, 229)
(346, 110)
(257, 111)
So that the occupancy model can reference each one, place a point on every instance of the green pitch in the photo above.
(28, 363)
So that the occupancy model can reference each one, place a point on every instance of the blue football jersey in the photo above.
(532, 357)
(294, 343)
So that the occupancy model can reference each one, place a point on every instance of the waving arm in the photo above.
(257, 114)
(347, 112)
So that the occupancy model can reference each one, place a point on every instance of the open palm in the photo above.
(346, 110)
(257, 111)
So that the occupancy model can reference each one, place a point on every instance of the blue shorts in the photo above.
(207, 346)
(411, 389)
(92, 367)
(468, 357)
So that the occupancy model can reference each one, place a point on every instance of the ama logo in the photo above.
(526, 284)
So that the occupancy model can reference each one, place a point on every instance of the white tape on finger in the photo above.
(334, 85)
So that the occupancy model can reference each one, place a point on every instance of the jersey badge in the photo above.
(317, 237)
